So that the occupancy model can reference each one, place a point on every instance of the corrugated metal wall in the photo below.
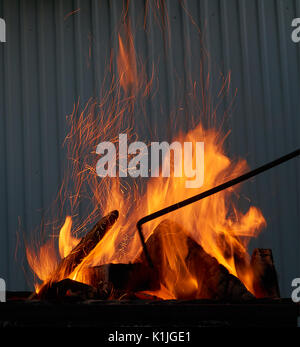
(56, 52)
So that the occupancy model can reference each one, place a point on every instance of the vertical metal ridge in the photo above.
(113, 40)
(78, 69)
(15, 128)
(98, 76)
(78, 73)
(187, 63)
(207, 65)
(206, 23)
(30, 108)
(267, 103)
(4, 208)
(25, 124)
(225, 42)
(169, 66)
(151, 63)
(247, 95)
(254, 154)
(44, 152)
(283, 66)
(60, 82)
(265, 68)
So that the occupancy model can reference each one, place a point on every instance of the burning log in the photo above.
(68, 288)
(167, 247)
(215, 281)
(188, 268)
(127, 277)
(265, 277)
(179, 263)
(84, 247)
(110, 281)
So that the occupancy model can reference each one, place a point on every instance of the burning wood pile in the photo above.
(206, 279)
(200, 254)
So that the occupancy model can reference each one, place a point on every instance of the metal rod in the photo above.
(207, 193)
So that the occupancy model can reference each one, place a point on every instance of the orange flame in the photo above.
(66, 241)
(127, 65)
(215, 222)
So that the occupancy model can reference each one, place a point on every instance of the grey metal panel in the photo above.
(53, 56)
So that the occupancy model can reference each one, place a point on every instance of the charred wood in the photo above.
(84, 247)
(182, 259)
(128, 277)
(67, 289)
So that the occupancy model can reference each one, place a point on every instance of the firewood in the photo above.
(127, 277)
(265, 282)
(84, 247)
(214, 280)
(169, 244)
(68, 289)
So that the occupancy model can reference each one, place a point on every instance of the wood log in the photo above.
(265, 283)
(127, 277)
(84, 247)
(179, 263)
(68, 289)
(214, 280)
(178, 258)
(168, 245)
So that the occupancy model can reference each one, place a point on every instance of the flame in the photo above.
(43, 262)
(66, 241)
(215, 223)
(127, 65)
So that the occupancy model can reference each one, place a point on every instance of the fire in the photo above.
(66, 241)
(126, 65)
(215, 223)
